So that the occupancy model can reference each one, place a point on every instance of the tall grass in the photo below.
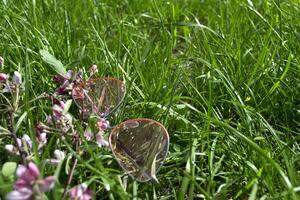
(222, 76)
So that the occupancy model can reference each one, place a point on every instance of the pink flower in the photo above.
(62, 89)
(21, 183)
(20, 194)
(28, 184)
(29, 173)
(41, 139)
(25, 143)
(11, 149)
(47, 184)
(3, 77)
(57, 110)
(59, 156)
(39, 128)
(102, 124)
(100, 140)
(80, 192)
(7, 88)
(93, 69)
(88, 134)
(17, 78)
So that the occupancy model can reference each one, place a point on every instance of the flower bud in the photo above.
(29, 173)
(19, 141)
(57, 110)
(34, 170)
(102, 124)
(7, 88)
(27, 140)
(100, 140)
(17, 78)
(62, 89)
(10, 148)
(88, 134)
(41, 139)
(80, 192)
(21, 170)
(3, 77)
(47, 184)
(93, 69)
(23, 193)
(20, 183)
(59, 155)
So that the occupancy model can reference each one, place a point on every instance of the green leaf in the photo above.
(53, 62)
(9, 169)
(67, 106)
(21, 119)
(4, 131)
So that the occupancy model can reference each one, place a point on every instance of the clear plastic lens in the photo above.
(100, 96)
(140, 146)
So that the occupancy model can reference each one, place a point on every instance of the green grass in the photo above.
(222, 76)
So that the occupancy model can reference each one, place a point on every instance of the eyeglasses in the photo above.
(139, 145)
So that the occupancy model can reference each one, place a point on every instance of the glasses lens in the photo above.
(140, 147)
(100, 96)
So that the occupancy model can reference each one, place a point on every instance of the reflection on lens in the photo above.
(140, 147)
(132, 124)
(100, 96)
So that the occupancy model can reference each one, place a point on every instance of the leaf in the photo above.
(4, 131)
(67, 167)
(21, 119)
(9, 169)
(67, 106)
(53, 62)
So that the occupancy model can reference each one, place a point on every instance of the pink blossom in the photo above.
(21, 170)
(47, 184)
(21, 142)
(93, 69)
(21, 183)
(3, 77)
(102, 124)
(8, 88)
(28, 184)
(58, 157)
(27, 141)
(11, 149)
(17, 78)
(62, 89)
(88, 134)
(20, 194)
(100, 140)
(29, 173)
(80, 192)
(57, 110)
(41, 139)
